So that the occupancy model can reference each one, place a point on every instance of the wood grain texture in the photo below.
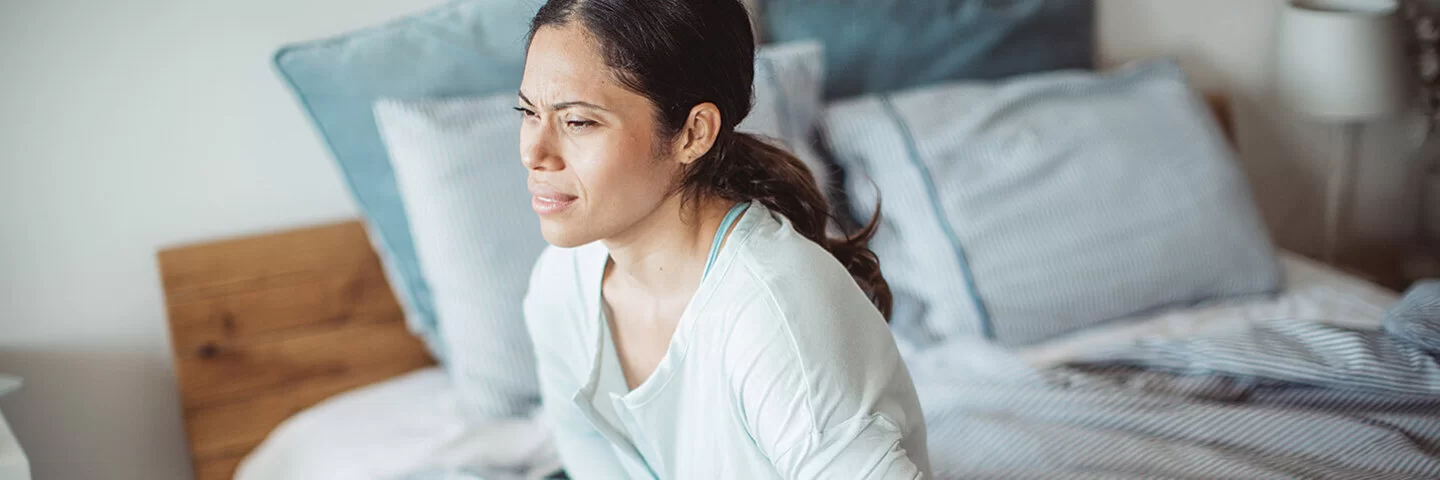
(266, 326)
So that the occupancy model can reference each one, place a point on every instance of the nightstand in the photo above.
(13, 464)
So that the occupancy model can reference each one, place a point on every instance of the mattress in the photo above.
(409, 428)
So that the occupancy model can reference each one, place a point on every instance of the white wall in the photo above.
(1224, 46)
(125, 127)
(129, 126)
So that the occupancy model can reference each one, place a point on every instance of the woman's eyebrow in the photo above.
(564, 105)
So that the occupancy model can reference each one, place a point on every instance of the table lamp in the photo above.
(1341, 62)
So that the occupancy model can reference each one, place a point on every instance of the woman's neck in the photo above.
(664, 253)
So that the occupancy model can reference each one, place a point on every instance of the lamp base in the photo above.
(1339, 192)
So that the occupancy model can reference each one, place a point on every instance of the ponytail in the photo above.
(743, 167)
(683, 53)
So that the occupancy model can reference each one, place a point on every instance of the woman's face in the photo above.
(596, 165)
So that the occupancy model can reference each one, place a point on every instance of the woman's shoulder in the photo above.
(782, 259)
(804, 283)
(807, 328)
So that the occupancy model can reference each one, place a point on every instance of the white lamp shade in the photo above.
(1342, 60)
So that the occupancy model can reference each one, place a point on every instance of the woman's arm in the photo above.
(583, 451)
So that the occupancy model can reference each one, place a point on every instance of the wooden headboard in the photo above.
(266, 326)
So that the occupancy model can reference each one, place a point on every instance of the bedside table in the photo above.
(13, 464)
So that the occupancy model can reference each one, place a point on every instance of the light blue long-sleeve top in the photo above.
(780, 367)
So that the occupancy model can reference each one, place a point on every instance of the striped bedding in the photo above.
(1269, 399)
(1283, 399)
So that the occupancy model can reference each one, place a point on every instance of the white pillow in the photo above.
(457, 166)
(1025, 209)
(458, 169)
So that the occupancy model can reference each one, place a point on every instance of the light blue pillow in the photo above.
(886, 45)
(788, 102)
(457, 165)
(1023, 210)
(472, 47)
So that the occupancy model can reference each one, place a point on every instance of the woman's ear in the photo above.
(698, 135)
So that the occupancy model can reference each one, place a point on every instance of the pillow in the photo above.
(885, 45)
(1023, 210)
(471, 47)
(788, 102)
(457, 165)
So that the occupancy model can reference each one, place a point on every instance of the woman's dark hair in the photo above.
(681, 53)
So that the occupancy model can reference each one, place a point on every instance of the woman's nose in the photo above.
(536, 149)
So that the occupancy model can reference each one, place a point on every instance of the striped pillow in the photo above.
(457, 166)
(1026, 209)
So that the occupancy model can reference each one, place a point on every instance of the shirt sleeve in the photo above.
(863, 447)
(826, 401)
(583, 451)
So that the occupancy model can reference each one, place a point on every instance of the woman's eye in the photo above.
(525, 112)
(579, 124)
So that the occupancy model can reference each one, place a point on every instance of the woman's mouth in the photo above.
(552, 203)
(547, 199)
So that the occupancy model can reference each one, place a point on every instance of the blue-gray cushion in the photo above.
(1026, 209)
(885, 45)
(464, 48)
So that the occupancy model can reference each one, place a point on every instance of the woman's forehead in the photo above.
(565, 64)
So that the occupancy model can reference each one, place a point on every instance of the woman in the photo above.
(691, 318)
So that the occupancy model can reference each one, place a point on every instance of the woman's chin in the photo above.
(559, 236)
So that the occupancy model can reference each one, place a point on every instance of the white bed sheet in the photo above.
(409, 424)
(1313, 292)
(399, 429)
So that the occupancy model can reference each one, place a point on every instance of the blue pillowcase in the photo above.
(885, 45)
(466, 48)
(1026, 209)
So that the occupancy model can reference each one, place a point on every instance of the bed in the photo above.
(264, 327)
(295, 336)
(1138, 321)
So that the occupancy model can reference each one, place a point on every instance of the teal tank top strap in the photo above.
(725, 224)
